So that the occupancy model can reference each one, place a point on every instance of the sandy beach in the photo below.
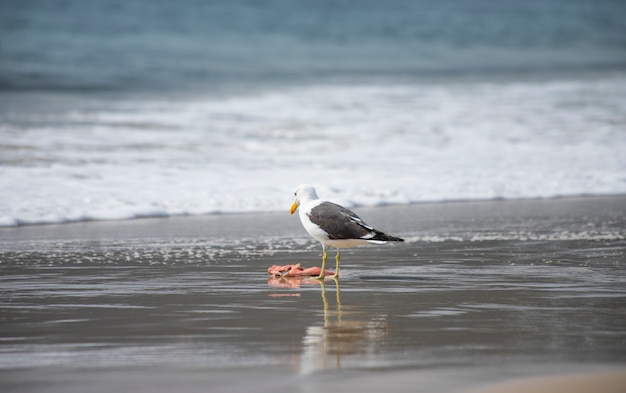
(515, 295)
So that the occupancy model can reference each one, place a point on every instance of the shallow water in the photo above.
(208, 303)
(475, 306)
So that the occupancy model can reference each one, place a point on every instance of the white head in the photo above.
(304, 193)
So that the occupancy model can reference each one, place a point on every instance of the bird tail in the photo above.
(381, 237)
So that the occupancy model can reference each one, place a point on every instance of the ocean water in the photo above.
(126, 109)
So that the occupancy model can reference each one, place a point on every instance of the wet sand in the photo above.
(480, 293)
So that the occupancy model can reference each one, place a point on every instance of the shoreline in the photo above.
(244, 218)
(19, 223)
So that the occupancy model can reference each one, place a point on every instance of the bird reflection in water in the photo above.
(346, 335)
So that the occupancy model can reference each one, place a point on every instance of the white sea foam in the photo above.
(360, 145)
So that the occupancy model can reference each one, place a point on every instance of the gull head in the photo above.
(304, 193)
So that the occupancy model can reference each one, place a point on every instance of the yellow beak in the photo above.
(294, 206)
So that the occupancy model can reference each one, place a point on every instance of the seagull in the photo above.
(334, 225)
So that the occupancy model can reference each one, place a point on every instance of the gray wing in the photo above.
(341, 223)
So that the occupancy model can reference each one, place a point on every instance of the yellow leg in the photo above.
(337, 257)
(324, 258)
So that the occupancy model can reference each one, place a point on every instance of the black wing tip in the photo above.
(388, 238)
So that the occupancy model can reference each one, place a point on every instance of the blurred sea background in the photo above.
(140, 108)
